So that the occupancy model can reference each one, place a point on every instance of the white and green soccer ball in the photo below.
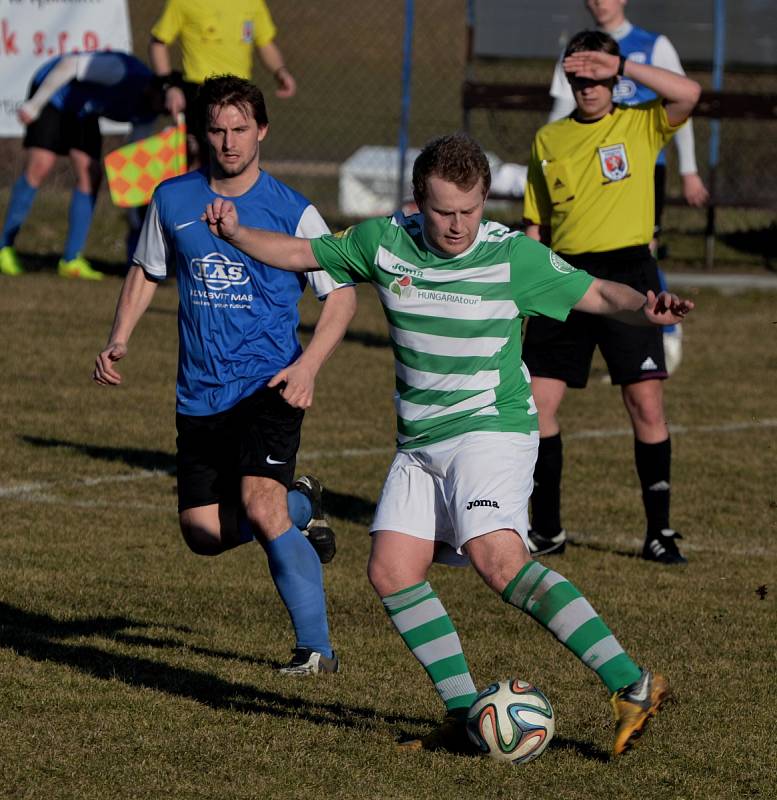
(511, 721)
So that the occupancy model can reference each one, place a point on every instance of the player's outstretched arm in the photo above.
(628, 305)
(276, 249)
(299, 377)
(64, 72)
(136, 294)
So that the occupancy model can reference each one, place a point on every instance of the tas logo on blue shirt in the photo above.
(217, 272)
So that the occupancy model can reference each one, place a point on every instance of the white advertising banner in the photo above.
(33, 31)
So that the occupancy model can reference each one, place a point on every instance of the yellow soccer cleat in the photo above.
(9, 262)
(634, 706)
(78, 267)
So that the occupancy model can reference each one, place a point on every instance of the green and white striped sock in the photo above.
(428, 631)
(558, 606)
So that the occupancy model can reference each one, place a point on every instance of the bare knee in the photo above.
(498, 557)
(38, 168)
(548, 394)
(397, 561)
(203, 530)
(387, 576)
(645, 405)
(266, 507)
(201, 540)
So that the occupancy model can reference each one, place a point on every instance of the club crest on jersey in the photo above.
(217, 272)
(402, 287)
(559, 264)
(615, 163)
(624, 90)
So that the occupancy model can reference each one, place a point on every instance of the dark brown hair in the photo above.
(229, 90)
(592, 40)
(456, 158)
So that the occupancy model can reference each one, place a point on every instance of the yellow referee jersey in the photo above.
(216, 38)
(592, 182)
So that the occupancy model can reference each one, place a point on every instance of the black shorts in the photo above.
(659, 184)
(563, 350)
(62, 131)
(259, 436)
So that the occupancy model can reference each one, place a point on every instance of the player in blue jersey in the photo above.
(644, 47)
(67, 97)
(243, 380)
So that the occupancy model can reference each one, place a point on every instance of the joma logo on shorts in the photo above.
(479, 503)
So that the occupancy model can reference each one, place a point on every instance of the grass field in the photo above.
(130, 668)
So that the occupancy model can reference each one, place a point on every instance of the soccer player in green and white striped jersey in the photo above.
(454, 289)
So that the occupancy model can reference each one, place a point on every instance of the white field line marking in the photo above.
(41, 489)
(726, 427)
(52, 499)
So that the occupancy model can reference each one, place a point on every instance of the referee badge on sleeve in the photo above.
(615, 162)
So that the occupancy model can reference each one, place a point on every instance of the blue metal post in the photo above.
(718, 64)
(404, 121)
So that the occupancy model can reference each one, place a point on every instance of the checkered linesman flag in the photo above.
(136, 169)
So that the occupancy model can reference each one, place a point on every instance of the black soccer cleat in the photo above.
(540, 545)
(306, 661)
(450, 736)
(319, 534)
(662, 548)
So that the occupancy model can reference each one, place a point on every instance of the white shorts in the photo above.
(456, 490)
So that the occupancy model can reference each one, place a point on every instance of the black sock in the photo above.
(653, 468)
(546, 497)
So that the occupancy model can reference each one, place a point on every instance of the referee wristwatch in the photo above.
(621, 65)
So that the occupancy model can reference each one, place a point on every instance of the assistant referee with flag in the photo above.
(67, 96)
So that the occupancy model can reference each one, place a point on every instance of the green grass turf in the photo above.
(130, 668)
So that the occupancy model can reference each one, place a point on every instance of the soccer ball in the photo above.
(511, 721)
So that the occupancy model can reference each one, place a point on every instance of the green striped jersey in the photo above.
(455, 321)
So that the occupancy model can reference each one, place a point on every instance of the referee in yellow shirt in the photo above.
(216, 39)
(590, 196)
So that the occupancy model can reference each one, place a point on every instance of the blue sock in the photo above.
(19, 206)
(79, 222)
(300, 509)
(298, 577)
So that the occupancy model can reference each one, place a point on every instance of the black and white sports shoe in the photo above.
(540, 545)
(319, 534)
(662, 548)
(305, 661)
